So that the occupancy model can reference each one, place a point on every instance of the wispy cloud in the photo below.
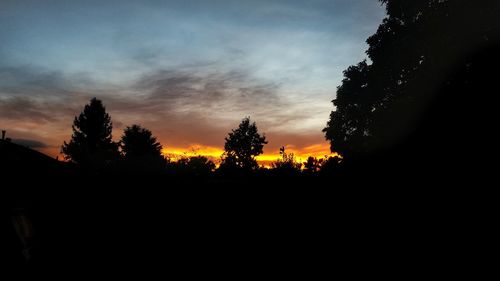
(21, 108)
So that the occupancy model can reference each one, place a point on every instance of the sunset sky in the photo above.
(187, 70)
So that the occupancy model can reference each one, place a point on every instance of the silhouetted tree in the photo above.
(138, 141)
(91, 144)
(242, 145)
(432, 61)
(141, 150)
(348, 127)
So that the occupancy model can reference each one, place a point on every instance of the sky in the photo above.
(188, 70)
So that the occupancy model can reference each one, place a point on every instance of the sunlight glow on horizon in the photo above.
(265, 159)
(321, 150)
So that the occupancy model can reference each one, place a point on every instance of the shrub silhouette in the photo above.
(196, 166)
(312, 165)
(287, 165)
(330, 166)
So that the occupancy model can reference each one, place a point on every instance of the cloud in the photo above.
(195, 91)
(32, 81)
(22, 108)
(185, 106)
(39, 95)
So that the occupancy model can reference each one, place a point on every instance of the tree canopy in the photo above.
(242, 145)
(429, 61)
(141, 150)
(137, 141)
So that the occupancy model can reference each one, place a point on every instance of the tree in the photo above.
(348, 127)
(141, 150)
(430, 69)
(137, 141)
(242, 145)
(91, 144)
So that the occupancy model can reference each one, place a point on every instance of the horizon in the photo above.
(187, 70)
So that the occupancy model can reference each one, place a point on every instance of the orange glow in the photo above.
(176, 153)
(214, 153)
(301, 155)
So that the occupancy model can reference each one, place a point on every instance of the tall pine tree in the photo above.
(91, 145)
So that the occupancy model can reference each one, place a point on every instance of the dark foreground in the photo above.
(55, 219)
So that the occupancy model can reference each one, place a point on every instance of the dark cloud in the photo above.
(201, 92)
(30, 143)
(42, 96)
(33, 81)
(23, 108)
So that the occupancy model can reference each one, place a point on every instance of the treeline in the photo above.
(92, 150)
